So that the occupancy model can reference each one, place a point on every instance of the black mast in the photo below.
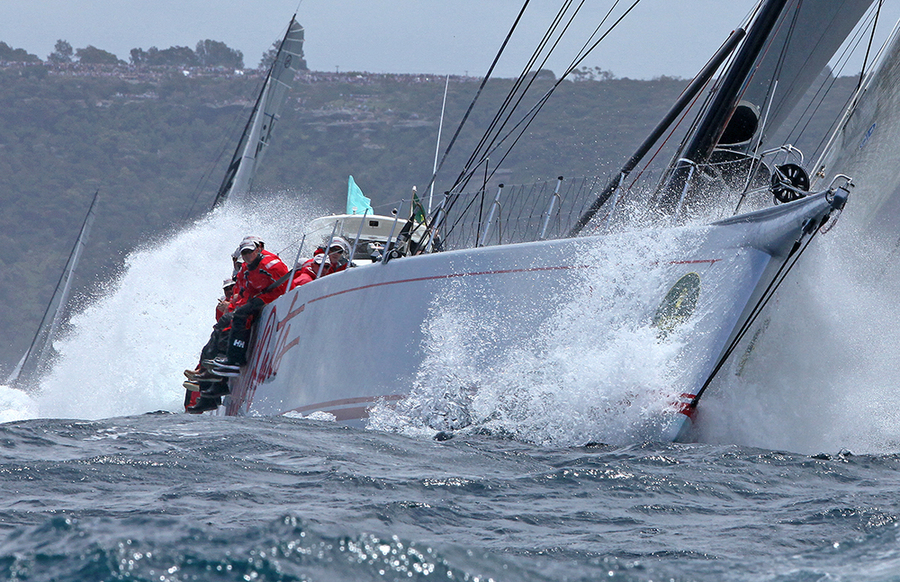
(712, 124)
(692, 89)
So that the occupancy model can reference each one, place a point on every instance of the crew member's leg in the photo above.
(239, 336)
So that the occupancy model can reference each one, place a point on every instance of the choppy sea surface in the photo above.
(166, 496)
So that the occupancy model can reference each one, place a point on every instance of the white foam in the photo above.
(15, 405)
(592, 372)
(823, 375)
(125, 351)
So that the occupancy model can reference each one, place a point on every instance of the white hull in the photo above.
(345, 342)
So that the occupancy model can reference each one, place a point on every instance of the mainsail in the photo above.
(40, 352)
(266, 112)
(806, 38)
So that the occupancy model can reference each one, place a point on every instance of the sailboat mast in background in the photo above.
(267, 110)
(40, 352)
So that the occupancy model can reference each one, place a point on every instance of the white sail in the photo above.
(867, 137)
(40, 352)
(807, 36)
(253, 150)
(258, 132)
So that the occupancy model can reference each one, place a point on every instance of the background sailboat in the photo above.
(40, 353)
(266, 111)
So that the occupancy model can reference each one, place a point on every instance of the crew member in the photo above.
(259, 280)
(204, 390)
(336, 259)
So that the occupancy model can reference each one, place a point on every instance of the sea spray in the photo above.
(15, 404)
(595, 369)
(821, 373)
(816, 372)
(125, 350)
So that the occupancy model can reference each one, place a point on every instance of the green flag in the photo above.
(418, 211)
(357, 203)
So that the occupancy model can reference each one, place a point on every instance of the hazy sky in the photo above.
(659, 37)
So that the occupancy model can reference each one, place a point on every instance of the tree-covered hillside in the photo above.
(155, 143)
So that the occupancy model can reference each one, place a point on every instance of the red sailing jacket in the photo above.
(307, 272)
(255, 281)
(238, 296)
(230, 300)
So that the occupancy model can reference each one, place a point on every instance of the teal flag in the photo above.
(357, 203)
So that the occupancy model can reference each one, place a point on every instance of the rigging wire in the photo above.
(853, 101)
(819, 98)
(518, 84)
(779, 68)
(478, 93)
(768, 100)
(533, 78)
(469, 169)
(748, 19)
(869, 47)
(529, 117)
(684, 114)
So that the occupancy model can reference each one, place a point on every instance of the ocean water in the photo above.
(166, 496)
(794, 475)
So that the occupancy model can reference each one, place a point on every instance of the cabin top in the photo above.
(373, 231)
